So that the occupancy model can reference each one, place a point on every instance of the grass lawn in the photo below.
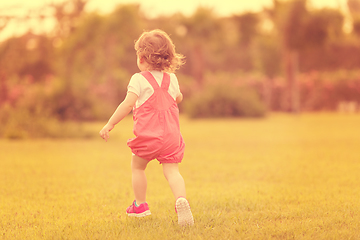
(282, 177)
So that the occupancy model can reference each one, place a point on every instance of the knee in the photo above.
(170, 171)
(138, 164)
(166, 174)
(135, 167)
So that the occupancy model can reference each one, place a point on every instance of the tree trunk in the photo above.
(268, 93)
(3, 89)
(198, 64)
(291, 100)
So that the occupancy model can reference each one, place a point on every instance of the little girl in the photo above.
(153, 94)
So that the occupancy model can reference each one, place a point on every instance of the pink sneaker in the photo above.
(182, 208)
(140, 211)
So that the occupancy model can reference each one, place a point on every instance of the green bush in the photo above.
(30, 112)
(22, 123)
(225, 100)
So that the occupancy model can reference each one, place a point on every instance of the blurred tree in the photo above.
(41, 53)
(321, 27)
(3, 88)
(302, 34)
(28, 56)
(323, 31)
(248, 29)
(300, 30)
(4, 20)
(67, 14)
(202, 30)
(288, 18)
(354, 7)
(122, 28)
(101, 44)
(269, 55)
(102, 52)
(92, 56)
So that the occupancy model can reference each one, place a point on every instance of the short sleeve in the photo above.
(134, 84)
(176, 85)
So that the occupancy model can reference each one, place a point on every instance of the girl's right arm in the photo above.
(122, 110)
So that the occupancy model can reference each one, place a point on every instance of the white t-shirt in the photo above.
(143, 89)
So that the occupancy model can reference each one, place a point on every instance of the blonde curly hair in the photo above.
(158, 50)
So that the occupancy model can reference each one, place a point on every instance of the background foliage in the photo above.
(287, 58)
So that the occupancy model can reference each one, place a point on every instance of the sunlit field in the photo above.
(282, 177)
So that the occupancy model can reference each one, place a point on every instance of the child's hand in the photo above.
(104, 133)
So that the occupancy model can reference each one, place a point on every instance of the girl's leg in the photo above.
(177, 185)
(139, 181)
(176, 181)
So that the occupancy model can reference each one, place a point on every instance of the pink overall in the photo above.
(156, 125)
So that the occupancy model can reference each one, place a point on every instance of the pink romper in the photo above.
(156, 125)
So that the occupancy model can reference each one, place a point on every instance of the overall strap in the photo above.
(165, 82)
(150, 78)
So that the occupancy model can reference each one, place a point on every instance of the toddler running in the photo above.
(153, 94)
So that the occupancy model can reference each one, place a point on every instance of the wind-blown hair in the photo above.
(158, 50)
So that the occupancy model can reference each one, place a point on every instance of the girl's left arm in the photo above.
(122, 110)
(179, 98)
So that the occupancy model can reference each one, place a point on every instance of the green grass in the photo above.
(283, 177)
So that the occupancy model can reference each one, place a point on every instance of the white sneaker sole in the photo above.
(143, 214)
(185, 216)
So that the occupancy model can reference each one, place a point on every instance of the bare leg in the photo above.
(176, 181)
(139, 181)
(177, 185)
